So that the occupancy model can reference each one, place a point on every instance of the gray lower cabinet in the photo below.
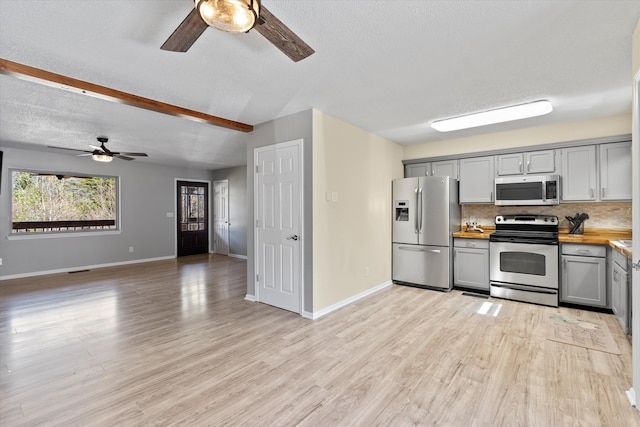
(471, 263)
(584, 278)
(621, 290)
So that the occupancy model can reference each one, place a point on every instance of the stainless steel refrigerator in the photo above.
(425, 214)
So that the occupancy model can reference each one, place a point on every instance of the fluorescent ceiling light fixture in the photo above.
(506, 114)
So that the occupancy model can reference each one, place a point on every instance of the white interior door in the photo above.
(221, 216)
(278, 208)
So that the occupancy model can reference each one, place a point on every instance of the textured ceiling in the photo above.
(390, 67)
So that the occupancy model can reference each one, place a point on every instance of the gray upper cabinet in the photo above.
(509, 164)
(615, 171)
(445, 168)
(418, 169)
(534, 162)
(579, 179)
(540, 162)
(476, 180)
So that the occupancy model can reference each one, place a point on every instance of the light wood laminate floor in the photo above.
(175, 343)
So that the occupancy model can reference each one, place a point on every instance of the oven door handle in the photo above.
(535, 290)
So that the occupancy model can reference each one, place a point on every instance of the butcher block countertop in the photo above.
(597, 236)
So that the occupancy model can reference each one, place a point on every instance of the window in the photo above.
(49, 202)
(193, 215)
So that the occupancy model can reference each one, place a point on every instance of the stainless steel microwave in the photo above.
(527, 190)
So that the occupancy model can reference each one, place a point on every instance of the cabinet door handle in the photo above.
(520, 167)
(584, 251)
(471, 245)
(602, 193)
(528, 165)
(591, 193)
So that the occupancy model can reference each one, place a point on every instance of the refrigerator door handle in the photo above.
(420, 210)
(415, 223)
(418, 249)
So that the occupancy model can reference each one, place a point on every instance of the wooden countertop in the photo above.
(487, 231)
(596, 236)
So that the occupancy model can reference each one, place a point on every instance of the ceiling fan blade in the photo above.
(133, 154)
(186, 34)
(120, 156)
(95, 147)
(281, 36)
(69, 149)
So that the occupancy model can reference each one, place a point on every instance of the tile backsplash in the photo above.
(616, 215)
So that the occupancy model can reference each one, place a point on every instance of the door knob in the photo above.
(294, 237)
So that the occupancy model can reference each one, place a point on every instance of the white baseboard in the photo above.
(343, 303)
(631, 395)
(238, 256)
(250, 297)
(84, 267)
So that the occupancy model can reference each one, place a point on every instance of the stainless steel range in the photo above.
(523, 254)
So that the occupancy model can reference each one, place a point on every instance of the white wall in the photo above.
(352, 235)
(548, 134)
(147, 194)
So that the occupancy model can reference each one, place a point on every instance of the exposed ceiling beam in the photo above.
(59, 81)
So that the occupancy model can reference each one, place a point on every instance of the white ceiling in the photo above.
(390, 67)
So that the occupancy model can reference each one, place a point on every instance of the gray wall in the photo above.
(237, 207)
(146, 196)
(295, 126)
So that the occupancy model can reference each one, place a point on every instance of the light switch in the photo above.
(334, 196)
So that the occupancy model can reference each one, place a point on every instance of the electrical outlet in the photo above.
(130, 248)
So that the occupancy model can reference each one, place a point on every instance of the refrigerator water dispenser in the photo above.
(402, 210)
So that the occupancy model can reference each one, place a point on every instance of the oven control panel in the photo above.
(545, 220)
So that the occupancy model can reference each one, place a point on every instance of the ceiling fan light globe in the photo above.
(233, 16)
(101, 157)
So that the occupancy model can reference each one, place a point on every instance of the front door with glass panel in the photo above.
(193, 230)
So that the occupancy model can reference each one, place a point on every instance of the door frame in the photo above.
(300, 143)
(634, 392)
(213, 199)
(174, 214)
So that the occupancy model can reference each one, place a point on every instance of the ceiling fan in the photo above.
(102, 153)
(236, 16)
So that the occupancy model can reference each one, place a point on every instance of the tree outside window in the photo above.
(52, 202)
